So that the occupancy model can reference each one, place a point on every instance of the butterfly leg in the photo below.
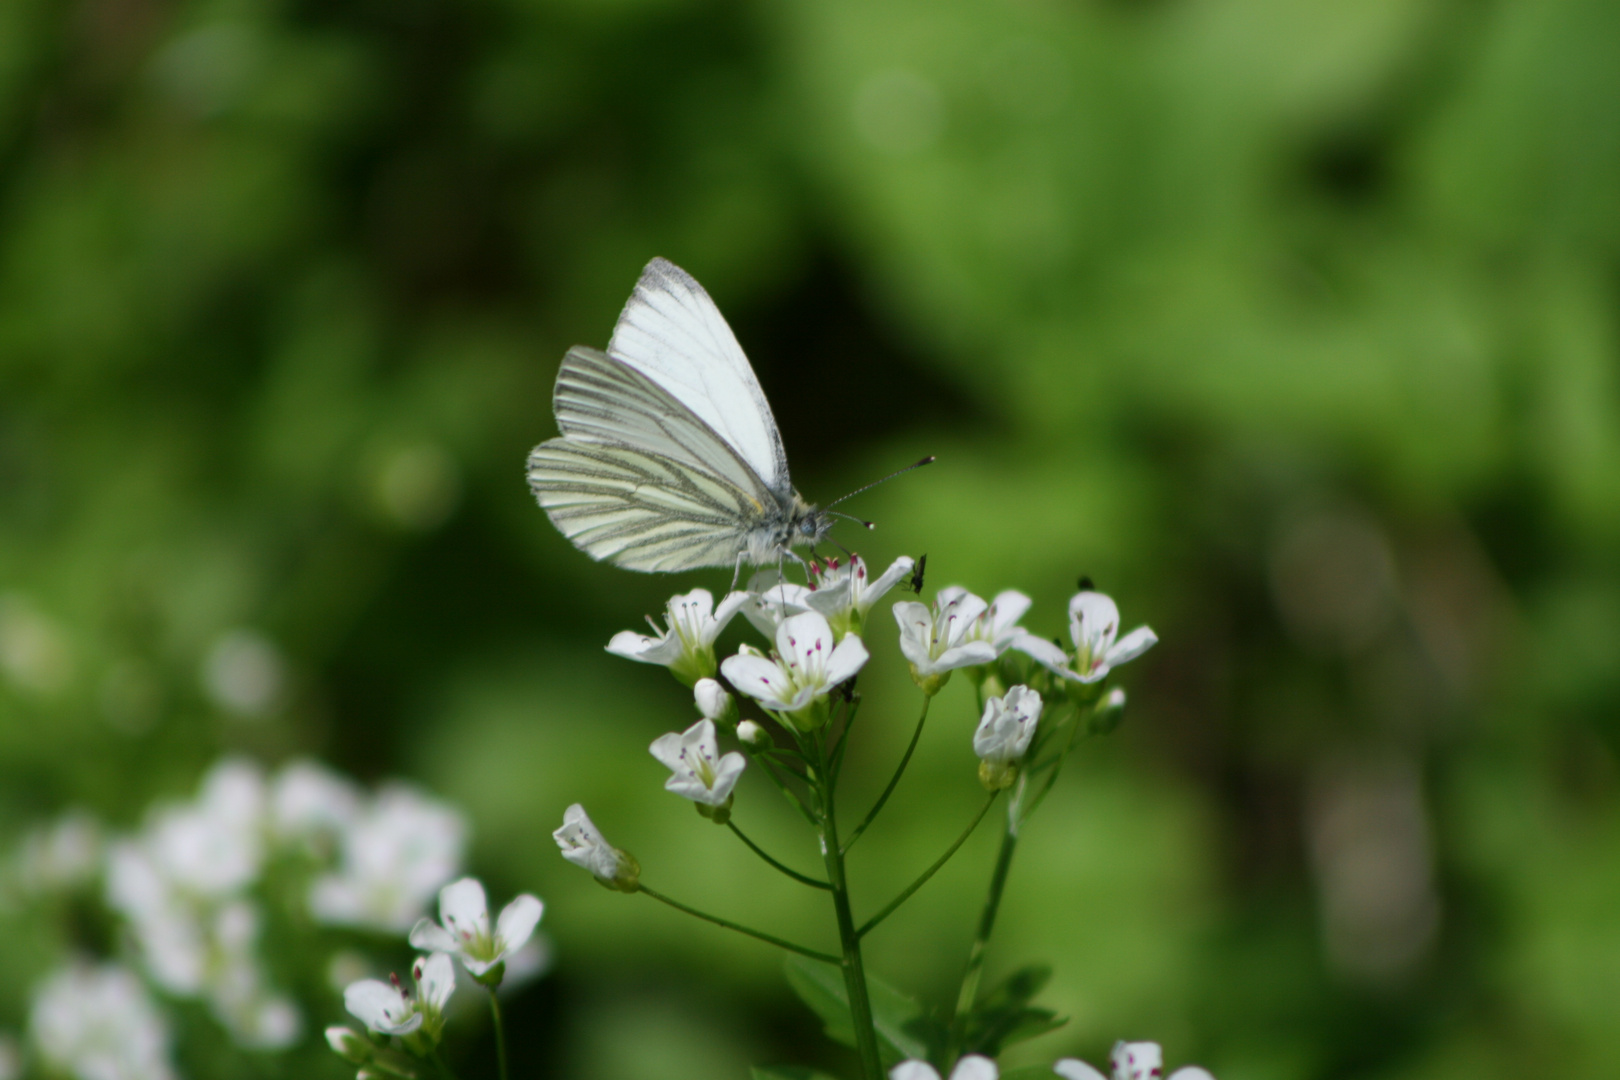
(736, 571)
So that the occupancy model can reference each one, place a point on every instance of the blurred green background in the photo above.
(1291, 323)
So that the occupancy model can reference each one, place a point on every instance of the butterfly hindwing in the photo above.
(638, 509)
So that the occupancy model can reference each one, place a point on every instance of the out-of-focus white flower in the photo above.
(583, 844)
(845, 591)
(970, 1067)
(214, 846)
(685, 644)
(713, 703)
(1130, 1061)
(939, 641)
(395, 856)
(236, 987)
(1093, 626)
(697, 769)
(244, 674)
(65, 854)
(771, 599)
(463, 929)
(389, 1009)
(807, 667)
(98, 1023)
(1003, 735)
(309, 801)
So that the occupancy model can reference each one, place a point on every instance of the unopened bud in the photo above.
(714, 703)
(349, 1044)
(751, 734)
(1109, 712)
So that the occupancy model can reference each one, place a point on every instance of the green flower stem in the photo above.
(981, 941)
(500, 1031)
(438, 1063)
(828, 958)
(860, 1004)
(893, 780)
(926, 874)
(814, 883)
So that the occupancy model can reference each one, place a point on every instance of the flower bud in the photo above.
(714, 703)
(719, 814)
(1108, 713)
(349, 1044)
(751, 734)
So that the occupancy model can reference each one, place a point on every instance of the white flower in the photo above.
(389, 1009)
(697, 770)
(465, 931)
(807, 667)
(770, 600)
(583, 844)
(940, 640)
(1003, 735)
(1130, 1061)
(845, 592)
(971, 1067)
(686, 643)
(751, 734)
(98, 1023)
(395, 856)
(215, 846)
(309, 801)
(1093, 625)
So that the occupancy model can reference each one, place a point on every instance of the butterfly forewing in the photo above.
(671, 332)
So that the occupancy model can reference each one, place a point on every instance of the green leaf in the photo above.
(897, 1017)
(1005, 1017)
(788, 1072)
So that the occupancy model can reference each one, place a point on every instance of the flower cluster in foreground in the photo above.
(1129, 1061)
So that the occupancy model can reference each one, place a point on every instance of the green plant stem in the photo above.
(814, 883)
(828, 958)
(981, 941)
(438, 1063)
(860, 1003)
(893, 780)
(926, 874)
(500, 1031)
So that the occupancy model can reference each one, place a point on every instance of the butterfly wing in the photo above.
(672, 333)
(638, 478)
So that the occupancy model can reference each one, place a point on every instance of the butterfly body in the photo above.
(669, 457)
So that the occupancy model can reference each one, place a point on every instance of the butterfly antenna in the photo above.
(914, 465)
(851, 517)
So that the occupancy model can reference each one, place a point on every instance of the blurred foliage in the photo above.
(1293, 324)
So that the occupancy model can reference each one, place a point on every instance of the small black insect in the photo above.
(917, 574)
(1086, 585)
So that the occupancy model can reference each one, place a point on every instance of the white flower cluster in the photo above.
(186, 884)
(1130, 1061)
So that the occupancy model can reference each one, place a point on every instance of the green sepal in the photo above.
(492, 978)
(903, 1029)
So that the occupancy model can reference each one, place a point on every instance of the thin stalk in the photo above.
(791, 795)
(941, 861)
(981, 941)
(860, 1004)
(500, 1031)
(438, 1063)
(729, 925)
(814, 883)
(893, 780)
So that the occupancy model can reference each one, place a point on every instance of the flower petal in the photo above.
(726, 773)
(975, 1067)
(1093, 621)
(429, 936)
(913, 1070)
(380, 1007)
(667, 749)
(757, 677)
(1192, 1072)
(1075, 1069)
(897, 570)
(463, 907)
(517, 922)
(848, 658)
(967, 654)
(436, 980)
(1006, 609)
(1131, 646)
(728, 609)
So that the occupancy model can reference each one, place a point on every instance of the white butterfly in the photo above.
(669, 457)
